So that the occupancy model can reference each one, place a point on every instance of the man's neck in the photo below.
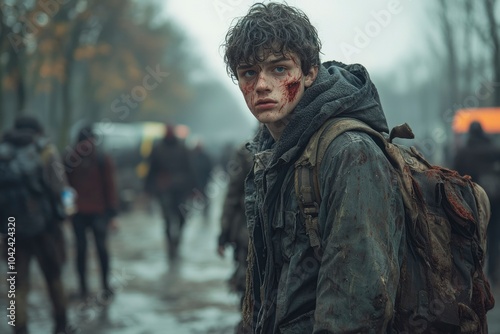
(276, 129)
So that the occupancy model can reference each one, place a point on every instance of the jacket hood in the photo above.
(339, 90)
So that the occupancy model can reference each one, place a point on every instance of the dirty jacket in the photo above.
(233, 220)
(352, 288)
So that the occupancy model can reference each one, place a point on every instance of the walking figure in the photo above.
(93, 179)
(171, 180)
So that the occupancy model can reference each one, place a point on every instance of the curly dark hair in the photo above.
(271, 28)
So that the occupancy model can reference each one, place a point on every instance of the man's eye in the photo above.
(280, 69)
(249, 73)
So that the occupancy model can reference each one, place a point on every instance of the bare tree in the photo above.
(70, 61)
(449, 39)
(13, 57)
(493, 39)
(469, 73)
(463, 27)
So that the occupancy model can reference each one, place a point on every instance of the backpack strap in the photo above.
(306, 167)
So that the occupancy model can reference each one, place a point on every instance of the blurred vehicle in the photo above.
(489, 119)
(130, 145)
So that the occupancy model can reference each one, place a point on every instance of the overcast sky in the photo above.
(376, 33)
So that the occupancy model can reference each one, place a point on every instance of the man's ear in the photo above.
(311, 76)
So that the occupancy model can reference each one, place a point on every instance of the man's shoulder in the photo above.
(352, 141)
(340, 133)
(354, 149)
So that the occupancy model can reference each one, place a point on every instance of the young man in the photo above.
(273, 53)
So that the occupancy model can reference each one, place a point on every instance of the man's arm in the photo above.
(362, 225)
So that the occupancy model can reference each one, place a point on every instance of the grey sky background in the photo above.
(380, 34)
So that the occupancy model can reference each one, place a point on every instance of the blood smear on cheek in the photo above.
(292, 89)
(248, 88)
(247, 91)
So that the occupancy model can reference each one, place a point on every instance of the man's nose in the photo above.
(263, 83)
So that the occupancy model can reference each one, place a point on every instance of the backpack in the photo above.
(442, 287)
(23, 196)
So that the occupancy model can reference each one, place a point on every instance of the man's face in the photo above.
(273, 88)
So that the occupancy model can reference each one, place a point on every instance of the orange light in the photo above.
(488, 117)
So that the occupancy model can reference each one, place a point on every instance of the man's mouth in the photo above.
(265, 103)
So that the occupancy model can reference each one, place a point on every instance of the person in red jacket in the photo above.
(97, 203)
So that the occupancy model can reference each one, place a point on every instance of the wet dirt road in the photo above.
(152, 295)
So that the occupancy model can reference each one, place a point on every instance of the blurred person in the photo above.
(480, 159)
(171, 180)
(233, 222)
(202, 164)
(31, 194)
(273, 53)
(225, 156)
(93, 179)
